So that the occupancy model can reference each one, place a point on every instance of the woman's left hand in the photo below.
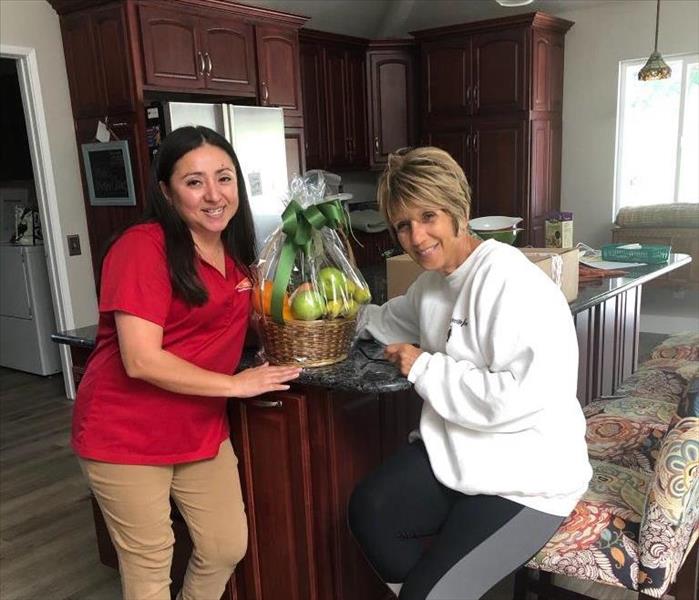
(402, 355)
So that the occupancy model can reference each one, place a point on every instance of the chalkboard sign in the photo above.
(108, 172)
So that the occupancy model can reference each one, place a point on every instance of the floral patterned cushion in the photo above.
(599, 540)
(627, 431)
(671, 516)
(681, 346)
(661, 378)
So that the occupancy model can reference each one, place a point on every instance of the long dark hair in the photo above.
(238, 237)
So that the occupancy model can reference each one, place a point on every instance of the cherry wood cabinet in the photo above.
(300, 455)
(391, 98)
(273, 448)
(492, 96)
(99, 75)
(183, 51)
(295, 159)
(105, 221)
(279, 71)
(123, 54)
(314, 110)
(493, 153)
(498, 72)
(334, 97)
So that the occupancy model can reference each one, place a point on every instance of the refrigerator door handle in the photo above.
(226, 111)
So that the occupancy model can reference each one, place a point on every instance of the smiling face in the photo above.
(203, 189)
(429, 236)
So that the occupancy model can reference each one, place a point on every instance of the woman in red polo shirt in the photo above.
(150, 416)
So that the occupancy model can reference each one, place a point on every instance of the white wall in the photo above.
(600, 38)
(34, 24)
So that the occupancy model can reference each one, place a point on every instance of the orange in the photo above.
(262, 301)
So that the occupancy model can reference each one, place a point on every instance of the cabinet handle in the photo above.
(468, 142)
(468, 95)
(477, 142)
(376, 143)
(265, 93)
(476, 96)
(267, 403)
(209, 64)
(201, 64)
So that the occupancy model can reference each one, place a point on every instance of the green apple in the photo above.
(362, 295)
(308, 305)
(333, 282)
(350, 309)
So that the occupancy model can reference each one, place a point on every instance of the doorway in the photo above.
(27, 72)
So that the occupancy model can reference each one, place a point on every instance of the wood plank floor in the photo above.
(48, 549)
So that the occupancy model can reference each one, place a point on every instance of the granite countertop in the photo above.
(365, 371)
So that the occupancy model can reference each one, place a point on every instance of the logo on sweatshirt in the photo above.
(459, 322)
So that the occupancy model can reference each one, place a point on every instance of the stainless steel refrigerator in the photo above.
(257, 136)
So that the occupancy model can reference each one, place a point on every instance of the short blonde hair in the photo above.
(425, 176)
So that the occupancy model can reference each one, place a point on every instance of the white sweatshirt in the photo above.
(498, 377)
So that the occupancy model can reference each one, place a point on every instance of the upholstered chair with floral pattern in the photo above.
(638, 523)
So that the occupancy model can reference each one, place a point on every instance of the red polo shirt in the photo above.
(122, 420)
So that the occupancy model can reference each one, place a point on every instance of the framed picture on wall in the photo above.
(108, 172)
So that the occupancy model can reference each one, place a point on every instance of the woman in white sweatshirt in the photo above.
(488, 341)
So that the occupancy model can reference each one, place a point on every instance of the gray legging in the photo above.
(474, 541)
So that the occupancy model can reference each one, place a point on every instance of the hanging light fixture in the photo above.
(509, 3)
(655, 68)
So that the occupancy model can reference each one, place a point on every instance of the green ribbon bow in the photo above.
(298, 224)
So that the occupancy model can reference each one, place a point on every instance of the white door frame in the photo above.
(37, 133)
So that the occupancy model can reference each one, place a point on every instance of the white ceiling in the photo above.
(395, 18)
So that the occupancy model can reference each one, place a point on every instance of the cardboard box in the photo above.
(563, 270)
(401, 270)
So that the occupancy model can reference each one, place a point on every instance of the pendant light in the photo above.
(510, 3)
(655, 68)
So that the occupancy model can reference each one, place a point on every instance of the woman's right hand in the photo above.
(262, 380)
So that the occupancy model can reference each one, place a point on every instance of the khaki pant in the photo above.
(135, 502)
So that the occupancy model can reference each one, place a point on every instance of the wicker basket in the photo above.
(307, 343)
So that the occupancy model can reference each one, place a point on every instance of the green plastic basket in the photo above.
(651, 254)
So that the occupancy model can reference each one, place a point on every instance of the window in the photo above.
(658, 135)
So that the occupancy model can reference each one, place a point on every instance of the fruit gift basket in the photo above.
(308, 290)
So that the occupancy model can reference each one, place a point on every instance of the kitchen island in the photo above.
(302, 451)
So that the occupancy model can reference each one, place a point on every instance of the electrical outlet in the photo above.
(74, 245)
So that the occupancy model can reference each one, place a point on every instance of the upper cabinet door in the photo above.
(172, 54)
(337, 96)
(499, 160)
(499, 72)
(229, 56)
(314, 117)
(391, 106)
(446, 67)
(547, 71)
(82, 64)
(278, 64)
(112, 48)
(356, 109)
